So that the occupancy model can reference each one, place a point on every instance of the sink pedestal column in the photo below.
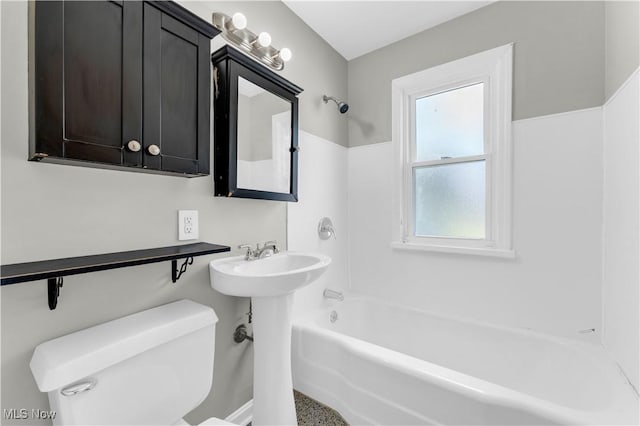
(272, 382)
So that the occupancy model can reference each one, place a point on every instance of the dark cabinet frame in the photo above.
(229, 64)
(142, 25)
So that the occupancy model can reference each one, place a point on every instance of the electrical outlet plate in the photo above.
(187, 225)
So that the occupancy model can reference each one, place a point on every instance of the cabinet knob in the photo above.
(133, 145)
(153, 149)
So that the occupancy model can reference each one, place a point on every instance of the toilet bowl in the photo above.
(149, 368)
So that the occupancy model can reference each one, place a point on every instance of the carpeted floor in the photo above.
(312, 413)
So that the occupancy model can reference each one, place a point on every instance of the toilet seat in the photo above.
(214, 421)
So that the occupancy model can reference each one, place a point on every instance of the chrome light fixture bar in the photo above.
(234, 30)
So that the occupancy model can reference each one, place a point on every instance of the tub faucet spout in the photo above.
(332, 294)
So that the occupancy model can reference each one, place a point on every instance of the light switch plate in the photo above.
(187, 225)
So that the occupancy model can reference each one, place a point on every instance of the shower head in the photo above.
(342, 106)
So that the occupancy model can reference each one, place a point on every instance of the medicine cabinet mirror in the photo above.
(256, 129)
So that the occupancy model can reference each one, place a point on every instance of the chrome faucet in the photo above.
(268, 249)
(332, 294)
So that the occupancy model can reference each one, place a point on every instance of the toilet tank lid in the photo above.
(69, 358)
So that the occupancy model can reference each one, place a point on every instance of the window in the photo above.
(452, 144)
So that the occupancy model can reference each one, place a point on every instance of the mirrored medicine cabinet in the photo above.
(255, 129)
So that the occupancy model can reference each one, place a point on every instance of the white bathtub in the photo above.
(384, 364)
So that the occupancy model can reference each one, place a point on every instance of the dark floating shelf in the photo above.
(53, 270)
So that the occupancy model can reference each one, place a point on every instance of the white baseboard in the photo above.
(243, 415)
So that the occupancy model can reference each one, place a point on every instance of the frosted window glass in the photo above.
(450, 200)
(450, 124)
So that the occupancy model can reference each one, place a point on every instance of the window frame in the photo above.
(494, 69)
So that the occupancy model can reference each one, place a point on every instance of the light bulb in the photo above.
(285, 54)
(239, 21)
(264, 39)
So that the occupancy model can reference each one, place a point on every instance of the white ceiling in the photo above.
(354, 28)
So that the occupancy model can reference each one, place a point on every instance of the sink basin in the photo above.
(275, 275)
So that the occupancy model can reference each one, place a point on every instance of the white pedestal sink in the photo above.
(270, 282)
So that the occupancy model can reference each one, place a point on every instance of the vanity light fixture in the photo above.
(237, 22)
(234, 30)
(264, 39)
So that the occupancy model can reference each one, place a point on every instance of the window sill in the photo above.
(486, 251)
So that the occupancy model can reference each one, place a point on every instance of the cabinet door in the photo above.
(176, 95)
(88, 81)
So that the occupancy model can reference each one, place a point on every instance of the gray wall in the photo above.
(558, 60)
(51, 211)
(622, 38)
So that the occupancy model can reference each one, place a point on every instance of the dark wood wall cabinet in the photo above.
(122, 84)
(255, 129)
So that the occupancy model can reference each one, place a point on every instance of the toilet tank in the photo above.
(152, 367)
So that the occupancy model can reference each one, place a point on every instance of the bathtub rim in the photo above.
(621, 407)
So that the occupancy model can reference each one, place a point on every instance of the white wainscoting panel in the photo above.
(620, 294)
(554, 283)
(322, 189)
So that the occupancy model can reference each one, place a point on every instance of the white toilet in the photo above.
(149, 368)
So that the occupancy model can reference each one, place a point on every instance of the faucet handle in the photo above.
(273, 244)
(249, 249)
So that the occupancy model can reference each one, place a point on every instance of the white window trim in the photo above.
(494, 67)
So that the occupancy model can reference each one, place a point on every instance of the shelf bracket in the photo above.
(54, 285)
(175, 273)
